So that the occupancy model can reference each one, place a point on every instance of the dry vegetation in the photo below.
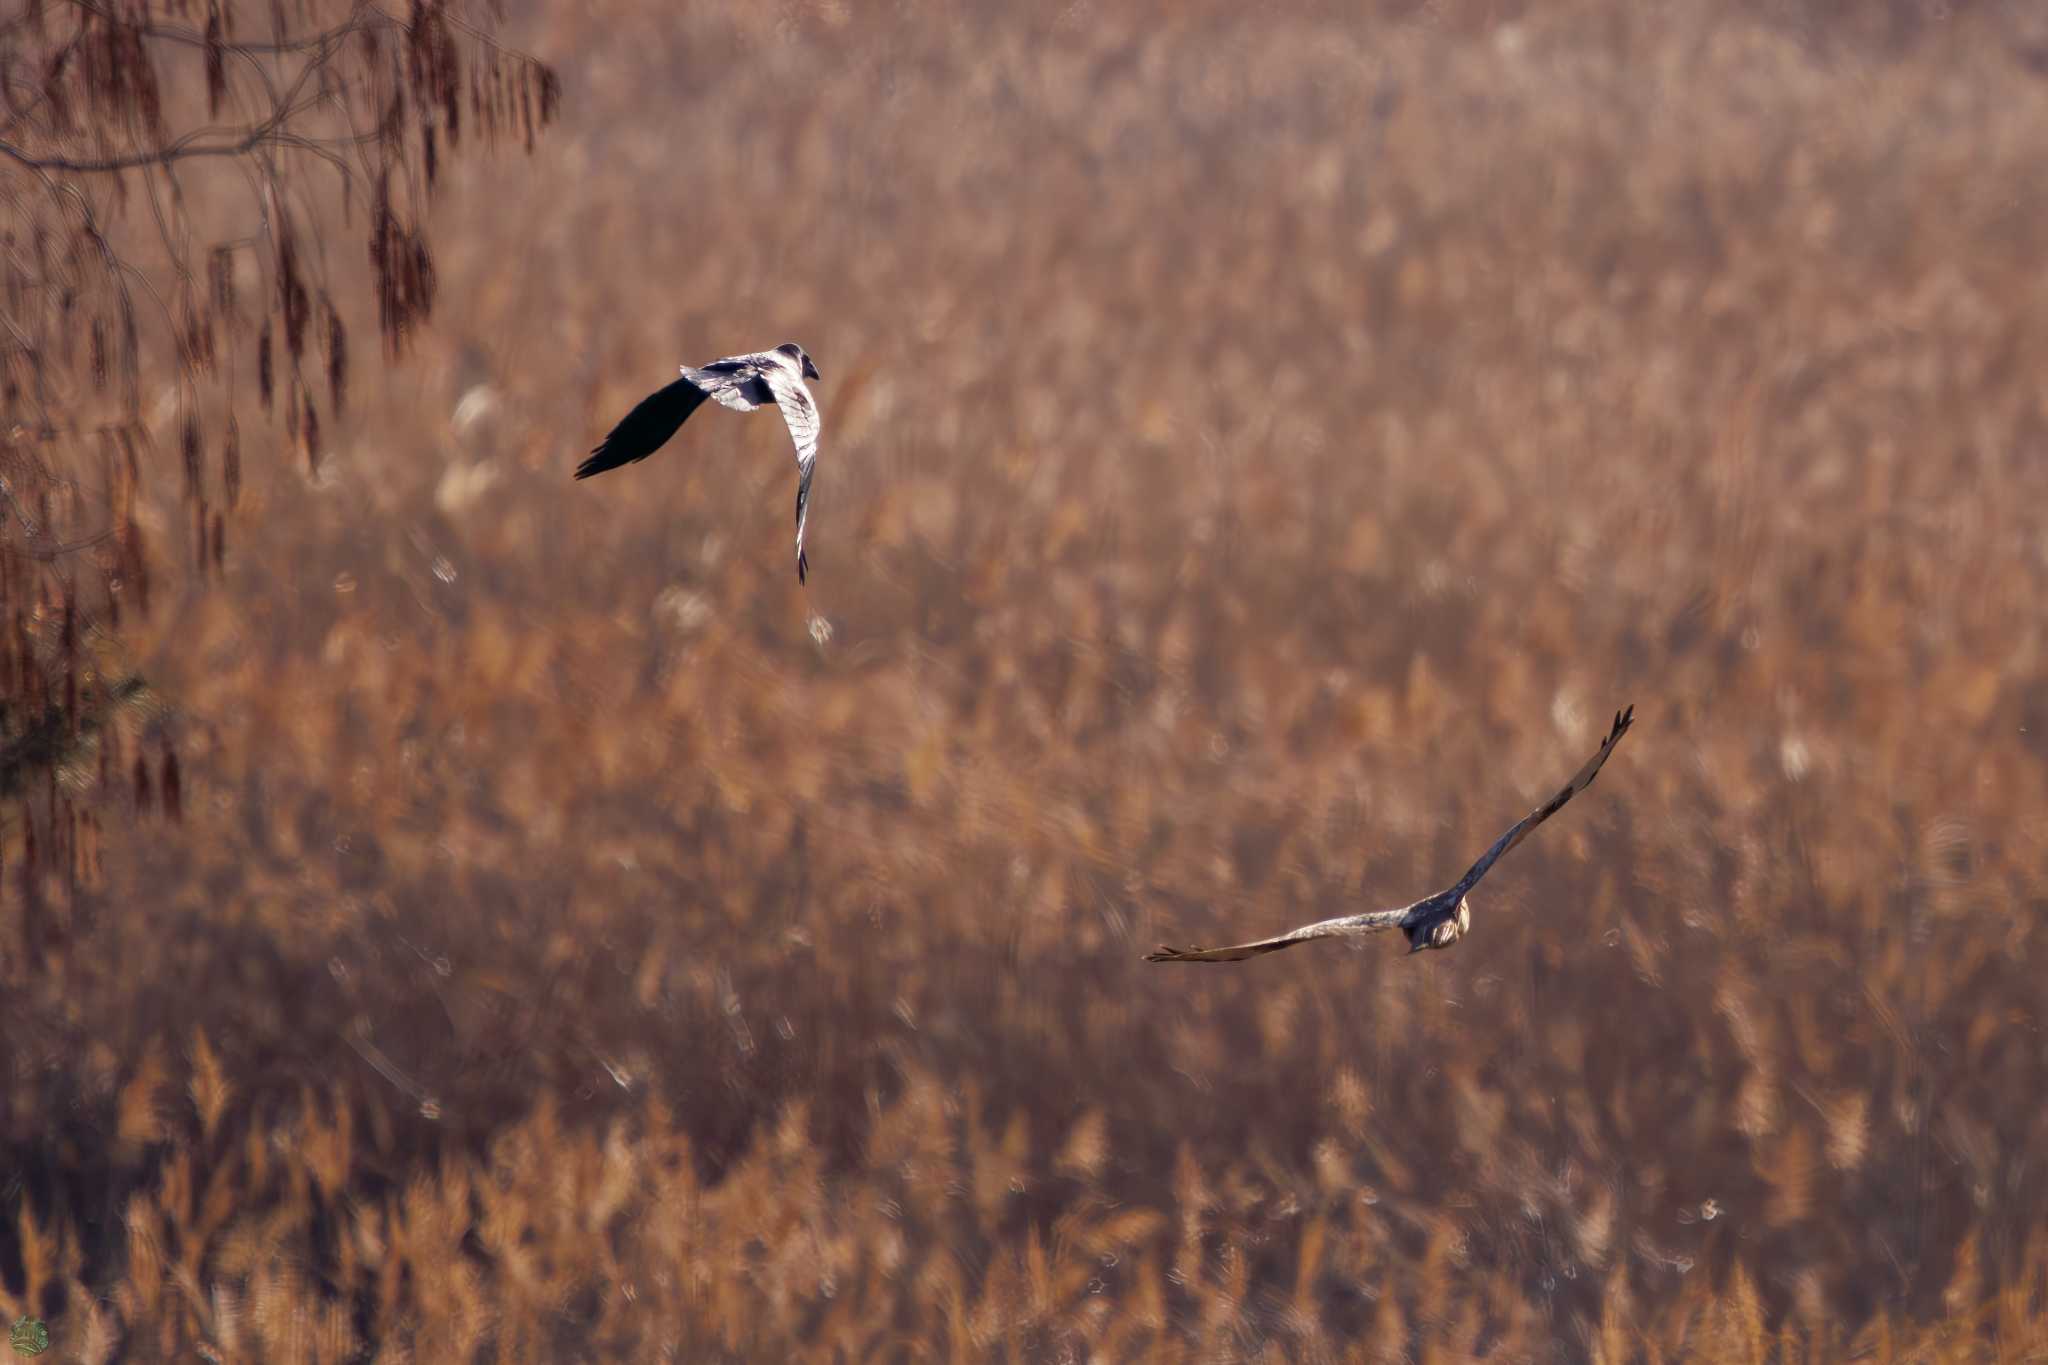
(1261, 450)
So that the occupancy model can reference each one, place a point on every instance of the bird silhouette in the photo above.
(742, 383)
(1437, 921)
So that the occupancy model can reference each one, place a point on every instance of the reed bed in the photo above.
(1261, 450)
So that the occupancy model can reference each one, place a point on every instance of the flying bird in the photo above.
(1436, 921)
(742, 383)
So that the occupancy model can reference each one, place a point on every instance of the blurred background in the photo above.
(1262, 448)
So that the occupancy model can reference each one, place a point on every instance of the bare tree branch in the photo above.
(237, 148)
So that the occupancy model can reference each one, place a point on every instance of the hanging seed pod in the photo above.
(291, 294)
(337, 356)
(98, 72)
(384, 262)
(216, 65)
(201, 323)
(395, 115)
(265, 379)
(415, 47)
(131, 350)
(148, 90)
(231, 465)
(450, 80)
(550, 95)
(222, 270)
(309, 427)
(300, 314)
(188, 442)
(145, 796)
(423, 278)
(172, 786)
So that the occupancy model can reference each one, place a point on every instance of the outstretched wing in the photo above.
(801, 413)
(1527, 824)
(645, 429)
(1345, 926)
(737, 382)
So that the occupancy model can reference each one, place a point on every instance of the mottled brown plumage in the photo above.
(1437, 921)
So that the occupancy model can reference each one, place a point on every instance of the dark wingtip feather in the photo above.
(1166, 954)
(645, 429)
(803, 566)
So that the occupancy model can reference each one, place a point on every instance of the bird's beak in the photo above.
(811, 369)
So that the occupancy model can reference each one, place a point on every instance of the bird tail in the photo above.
(645, 429)
(803, 501)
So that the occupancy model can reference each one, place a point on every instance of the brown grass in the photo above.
(1262, 446)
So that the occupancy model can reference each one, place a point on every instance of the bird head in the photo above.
(805, 364)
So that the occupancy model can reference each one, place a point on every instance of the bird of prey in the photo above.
(742, 383)
(1436, 921)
